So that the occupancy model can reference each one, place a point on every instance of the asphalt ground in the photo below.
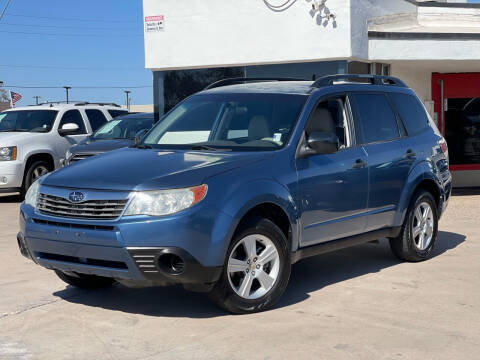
(356, 303)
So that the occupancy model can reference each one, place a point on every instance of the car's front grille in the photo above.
(79, 157)
(92, 209)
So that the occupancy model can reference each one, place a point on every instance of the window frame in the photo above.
(85, 127)
(347, 106)
(90, 122)
(357, 118)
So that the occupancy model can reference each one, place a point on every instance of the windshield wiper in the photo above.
(142, 146)
(209, 148)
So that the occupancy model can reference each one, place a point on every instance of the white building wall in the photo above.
(200, 33)
(362, 10)
(419, 79)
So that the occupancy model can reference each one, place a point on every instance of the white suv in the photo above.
(34, 139)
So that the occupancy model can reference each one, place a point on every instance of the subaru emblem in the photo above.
(76, 197)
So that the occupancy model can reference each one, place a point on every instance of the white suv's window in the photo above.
(73, 117)
(40, 121)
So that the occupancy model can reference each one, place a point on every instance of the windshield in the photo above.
(122, 128)
(236, 121)
(40, 121)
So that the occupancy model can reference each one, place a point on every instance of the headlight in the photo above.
(8, 153)
(32, 194)
(164, 202)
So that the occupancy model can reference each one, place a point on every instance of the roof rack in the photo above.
(76, 103)
(244, 80)
(96, 103)
(373, 79)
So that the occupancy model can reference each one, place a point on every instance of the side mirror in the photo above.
(320, 143)
(139, 135)
(68, 129)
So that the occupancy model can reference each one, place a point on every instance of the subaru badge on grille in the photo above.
(76, 197)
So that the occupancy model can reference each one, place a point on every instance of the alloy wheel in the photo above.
(422, 226)
(253, 266)
(38, 172)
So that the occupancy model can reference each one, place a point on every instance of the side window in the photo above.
(330, 116)
(73, 117)
(115, 113)
(378, 122)
(96, 118)
(411, 111)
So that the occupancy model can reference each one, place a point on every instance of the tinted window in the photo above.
(73, 117)
(96, 118)
(123, 128)
(377, 118)
(411, 111)
(27, 120)
(115, 113)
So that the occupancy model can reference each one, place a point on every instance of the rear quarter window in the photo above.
(115, 113)
(411, 112)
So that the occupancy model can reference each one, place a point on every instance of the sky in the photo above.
(74, 43)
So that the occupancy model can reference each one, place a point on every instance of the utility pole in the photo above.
(127, 93)
(66, 89)
(36, 99)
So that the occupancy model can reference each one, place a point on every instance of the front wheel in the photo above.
(419, 232)
(256, 271)
(34, 172)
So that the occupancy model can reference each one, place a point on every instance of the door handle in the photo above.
(359, 164)
(410, 154)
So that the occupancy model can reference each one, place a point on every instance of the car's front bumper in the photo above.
(11, 175)
(134, 251)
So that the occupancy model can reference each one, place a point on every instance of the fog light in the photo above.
(3, 180)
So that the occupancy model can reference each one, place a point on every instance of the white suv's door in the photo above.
(66, 142)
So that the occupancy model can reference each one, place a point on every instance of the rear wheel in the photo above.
(85, 281)
(35, 171)
(419, 231)
(256, 271)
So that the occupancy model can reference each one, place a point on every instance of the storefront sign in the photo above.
(154, 23)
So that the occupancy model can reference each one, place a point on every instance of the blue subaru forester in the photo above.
(240, 181)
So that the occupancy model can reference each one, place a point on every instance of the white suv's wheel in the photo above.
(35, 171)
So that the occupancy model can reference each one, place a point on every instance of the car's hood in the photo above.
(14, 138)
(100, 146)
(145, 169)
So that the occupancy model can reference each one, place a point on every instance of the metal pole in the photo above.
(127, 93)
(442, 107)
(67, 88)
(36, 99)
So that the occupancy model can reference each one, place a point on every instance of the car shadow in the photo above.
(307, 276)
(468, 191)
(10, 198)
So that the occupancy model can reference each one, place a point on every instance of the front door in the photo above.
(66, 142)
(333, 187)
(457, 108)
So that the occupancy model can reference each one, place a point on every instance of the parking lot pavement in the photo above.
(358, 303)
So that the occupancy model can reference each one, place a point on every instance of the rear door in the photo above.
(389, 158)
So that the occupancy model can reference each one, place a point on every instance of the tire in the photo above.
(262, 293)
(409, 245)
(34, 171)
(85, 281)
